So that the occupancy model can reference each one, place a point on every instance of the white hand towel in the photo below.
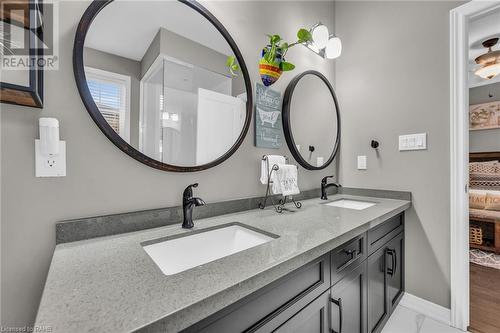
(271, 160)
(276, 185)
(287, 177)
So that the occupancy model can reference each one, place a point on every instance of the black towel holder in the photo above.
(283, 201)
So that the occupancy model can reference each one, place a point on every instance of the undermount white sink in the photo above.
(351, 204)
(180, 253)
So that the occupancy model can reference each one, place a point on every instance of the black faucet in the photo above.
(325, 186)
(188, 202)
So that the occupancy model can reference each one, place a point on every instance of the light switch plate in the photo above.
(50, 166)
(413, 142)
(362, 162)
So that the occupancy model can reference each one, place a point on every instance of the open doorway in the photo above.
(484, 172)
(475, 167)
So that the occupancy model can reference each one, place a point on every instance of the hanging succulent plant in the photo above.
(272, 63)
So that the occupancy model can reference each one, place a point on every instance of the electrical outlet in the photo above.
(51, 165)
(362, 162)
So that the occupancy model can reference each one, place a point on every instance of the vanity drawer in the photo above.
(347, 255)
(384, 232)
(268, 308)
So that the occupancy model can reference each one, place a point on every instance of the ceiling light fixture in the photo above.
(324, 44)
(490, 61)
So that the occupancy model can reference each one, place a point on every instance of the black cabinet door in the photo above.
(348, 302)
(378, 306)
(311, 319)
(395, 270)
(270, 307)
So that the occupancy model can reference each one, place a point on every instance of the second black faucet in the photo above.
(188, 202)
(325, 186)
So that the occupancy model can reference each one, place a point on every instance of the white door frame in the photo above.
(459, 158)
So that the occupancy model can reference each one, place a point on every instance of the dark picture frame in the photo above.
(31, 95)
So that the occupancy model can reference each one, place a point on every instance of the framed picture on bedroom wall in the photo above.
(484, 116)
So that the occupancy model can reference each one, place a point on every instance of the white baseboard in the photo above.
(429, 309)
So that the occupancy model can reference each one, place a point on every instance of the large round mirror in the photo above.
(311, 120)
(154, 76)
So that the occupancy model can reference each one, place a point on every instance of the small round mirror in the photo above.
(311, 120)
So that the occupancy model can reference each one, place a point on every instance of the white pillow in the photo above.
(483, 192)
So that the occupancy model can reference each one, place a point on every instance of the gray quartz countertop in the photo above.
(110, 284)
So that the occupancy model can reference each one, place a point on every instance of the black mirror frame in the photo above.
(287, 100)
(79, 71)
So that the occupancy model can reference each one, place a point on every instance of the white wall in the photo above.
(103, 180)
(393, 79)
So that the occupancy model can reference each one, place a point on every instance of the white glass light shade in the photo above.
(488, 72)
(320, 36)
(333, 48)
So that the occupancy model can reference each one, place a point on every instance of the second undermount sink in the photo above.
(181, 252)
(351, 204)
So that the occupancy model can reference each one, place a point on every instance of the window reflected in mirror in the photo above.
(111, 93)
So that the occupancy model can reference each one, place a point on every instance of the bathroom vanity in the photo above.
(324, 268)
(353, 288)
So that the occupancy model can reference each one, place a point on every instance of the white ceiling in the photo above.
(127, 28)
(480, 29)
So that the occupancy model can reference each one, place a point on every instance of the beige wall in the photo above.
(100, 178)
(393, 79)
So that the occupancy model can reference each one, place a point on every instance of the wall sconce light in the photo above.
(320, 35)
(333, 48)
(323, 43)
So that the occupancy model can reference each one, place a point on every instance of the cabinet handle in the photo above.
(350, 253)
(354, 256)
(338, 302)
(395, 261)
(391, 270)
(353, 253)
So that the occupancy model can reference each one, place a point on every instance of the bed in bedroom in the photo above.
(484, 201)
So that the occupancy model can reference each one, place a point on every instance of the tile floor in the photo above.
(404, 320)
